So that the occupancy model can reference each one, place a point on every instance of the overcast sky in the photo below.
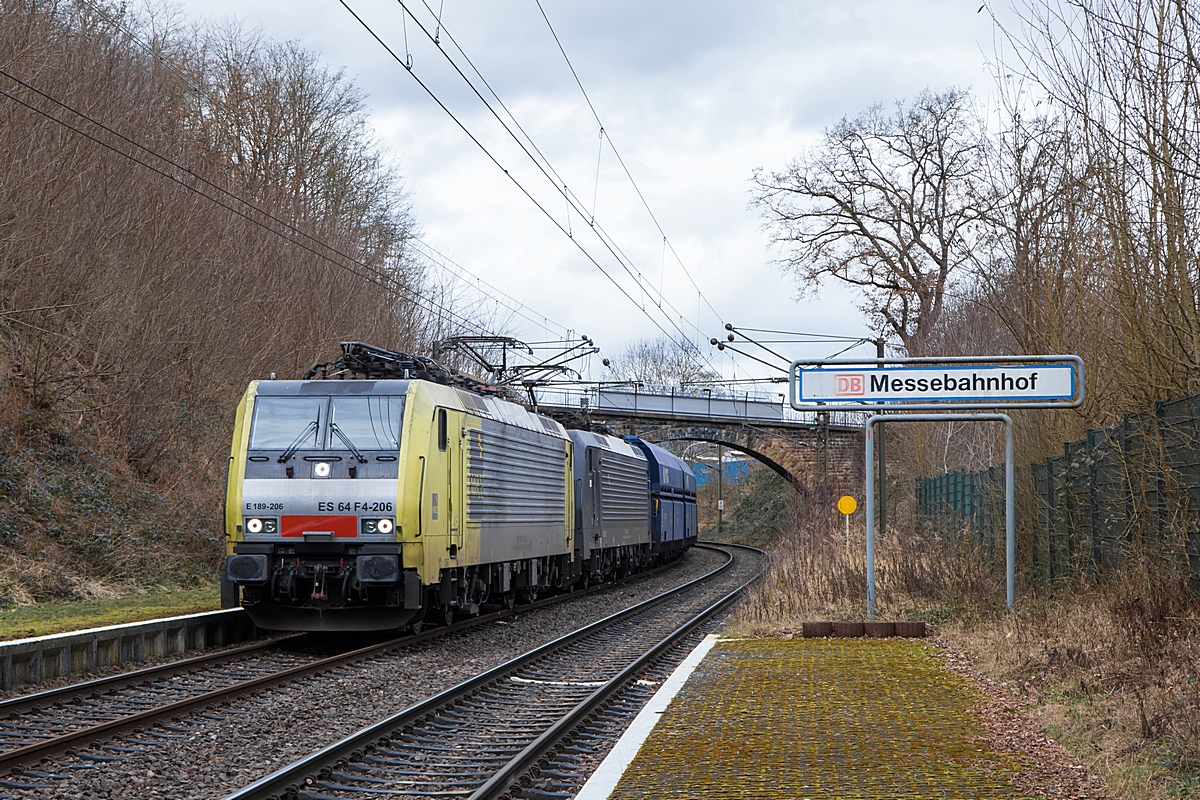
(695, 95)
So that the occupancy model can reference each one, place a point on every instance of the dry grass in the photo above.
(816, 574)
(1109, 668)
(133, 312)
(1112, 670)
(78, 522)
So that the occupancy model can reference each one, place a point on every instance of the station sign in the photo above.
(1050, 381)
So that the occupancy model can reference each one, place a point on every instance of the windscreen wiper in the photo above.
(336, 431)
(310, 428)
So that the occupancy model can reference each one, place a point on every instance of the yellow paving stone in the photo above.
(853, 719)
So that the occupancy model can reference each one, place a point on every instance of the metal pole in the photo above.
(720, 488)
(869, 494)
(1010, 512)
(882, 457)
(1010, 503)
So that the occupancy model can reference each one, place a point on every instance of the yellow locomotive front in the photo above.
(371, 504)
(313, 503)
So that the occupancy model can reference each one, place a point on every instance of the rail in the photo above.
(75, 709)
(353, 757)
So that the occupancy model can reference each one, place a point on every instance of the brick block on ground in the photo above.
(815, 630)
(848, 629)
(879, 630)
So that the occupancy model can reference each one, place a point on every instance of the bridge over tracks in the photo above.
(806, 448)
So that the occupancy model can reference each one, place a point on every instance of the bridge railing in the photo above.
(690, 403)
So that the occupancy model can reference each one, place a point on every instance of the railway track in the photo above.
(48, 724)
(532, 727)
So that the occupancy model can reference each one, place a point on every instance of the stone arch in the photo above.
(693, 435)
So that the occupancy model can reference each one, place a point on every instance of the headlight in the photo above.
(384, 526)
(254, 525)
(321, 469)
(270, 525)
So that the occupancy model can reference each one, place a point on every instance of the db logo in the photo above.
(850, 385)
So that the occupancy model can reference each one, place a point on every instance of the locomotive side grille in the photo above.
(515, 476)
(624, 489)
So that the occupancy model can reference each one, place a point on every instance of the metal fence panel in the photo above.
(1135, 484)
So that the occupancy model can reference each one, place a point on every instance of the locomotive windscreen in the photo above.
(371, 422)
(281, 422)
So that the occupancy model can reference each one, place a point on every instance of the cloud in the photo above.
(694, 94)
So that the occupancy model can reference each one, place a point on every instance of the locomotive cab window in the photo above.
(316, 423)
(370, 423)
(281, 421)
(442, 435)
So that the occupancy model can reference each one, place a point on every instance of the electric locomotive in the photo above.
(374, 504)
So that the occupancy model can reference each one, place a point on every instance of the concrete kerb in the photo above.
(29, 662)
(608, 774)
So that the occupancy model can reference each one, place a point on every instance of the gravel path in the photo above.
(211, 756)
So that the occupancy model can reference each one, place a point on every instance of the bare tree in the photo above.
(1124, 78)
(661, 362)
(136, 306)
(885, 203)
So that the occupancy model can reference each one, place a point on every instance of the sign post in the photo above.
(938, 384)
(847, 505)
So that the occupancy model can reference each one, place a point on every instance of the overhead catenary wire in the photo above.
(541, 161)
(826, 336)
(547, 168)
(604, 135)
(519, 308)
(738, 331)
(514, 306)
(810, 341)
(374, 275)
(728, 346)
(218, 102)
(851, 346)
(490, 156)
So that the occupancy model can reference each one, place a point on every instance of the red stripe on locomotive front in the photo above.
(341, 527)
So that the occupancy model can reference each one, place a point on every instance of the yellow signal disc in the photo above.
(847, 504)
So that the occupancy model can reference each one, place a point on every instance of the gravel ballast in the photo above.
(212, 755)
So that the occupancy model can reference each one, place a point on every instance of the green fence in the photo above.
(973, 500)
(1132, 485)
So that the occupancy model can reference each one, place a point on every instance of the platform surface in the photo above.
(819, 718)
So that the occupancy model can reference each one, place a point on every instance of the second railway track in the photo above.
(161, 703)
(529, 728)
